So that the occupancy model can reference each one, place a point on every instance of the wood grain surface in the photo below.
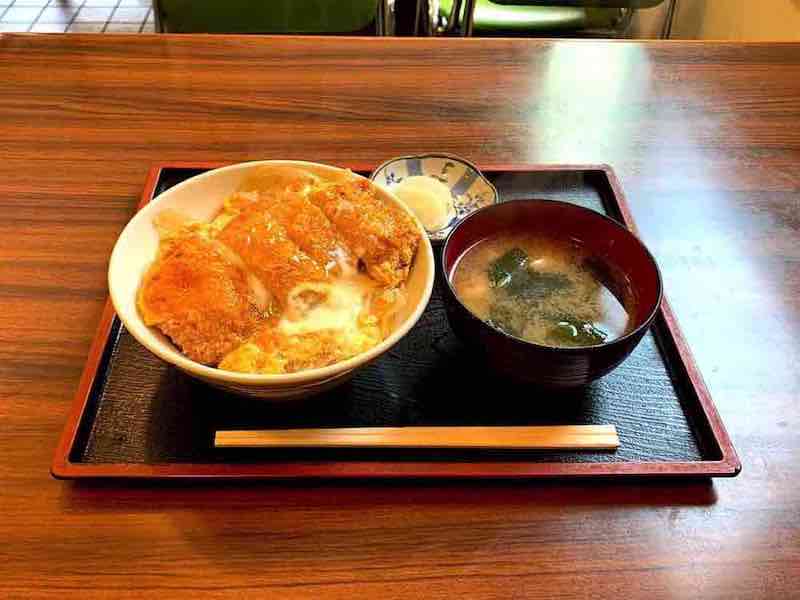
(706, 141)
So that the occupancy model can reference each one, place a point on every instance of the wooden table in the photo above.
(706, 140)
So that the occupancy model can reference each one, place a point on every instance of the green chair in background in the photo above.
(600, 18)
(272, 16)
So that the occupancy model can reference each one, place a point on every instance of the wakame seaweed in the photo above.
(513, 273)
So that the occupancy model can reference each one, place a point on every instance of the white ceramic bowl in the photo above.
(201, 197)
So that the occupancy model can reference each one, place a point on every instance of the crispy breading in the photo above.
(310, 229)
(268, 251)
(199, 297)
(271, 284)
(383, 236)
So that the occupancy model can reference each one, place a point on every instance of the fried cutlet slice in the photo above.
(305, 224)
(269, 253)
(310, 229)
(383, 236)
(200, 297)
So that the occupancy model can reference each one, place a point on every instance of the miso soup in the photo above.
(539, 289)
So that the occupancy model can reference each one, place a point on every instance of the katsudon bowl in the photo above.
(201, 198)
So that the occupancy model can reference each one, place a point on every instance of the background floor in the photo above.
(59, 16)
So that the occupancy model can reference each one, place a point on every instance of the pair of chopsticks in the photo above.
(555, 437)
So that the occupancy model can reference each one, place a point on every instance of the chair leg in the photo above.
(417, 17)
(157, 16)
(454, 17)
(625, 21)
(469, 18)
(380, 17)
(425, 26)
(666, 31)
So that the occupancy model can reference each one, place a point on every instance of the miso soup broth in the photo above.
(539, 289)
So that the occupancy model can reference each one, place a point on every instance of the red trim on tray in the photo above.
(728, 466)
(385, 469)
(61, 463)
(61, 466)
(721, 437)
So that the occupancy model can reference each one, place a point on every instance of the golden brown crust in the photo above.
(294, 238)
(265, 247)
(384, 237)
(309, 228)
(199, 298)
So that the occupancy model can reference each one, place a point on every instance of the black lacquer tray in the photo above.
(136, 416)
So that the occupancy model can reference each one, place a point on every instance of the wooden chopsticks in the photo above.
(555, 437)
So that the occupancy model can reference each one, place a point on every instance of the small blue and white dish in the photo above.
(469, 189)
